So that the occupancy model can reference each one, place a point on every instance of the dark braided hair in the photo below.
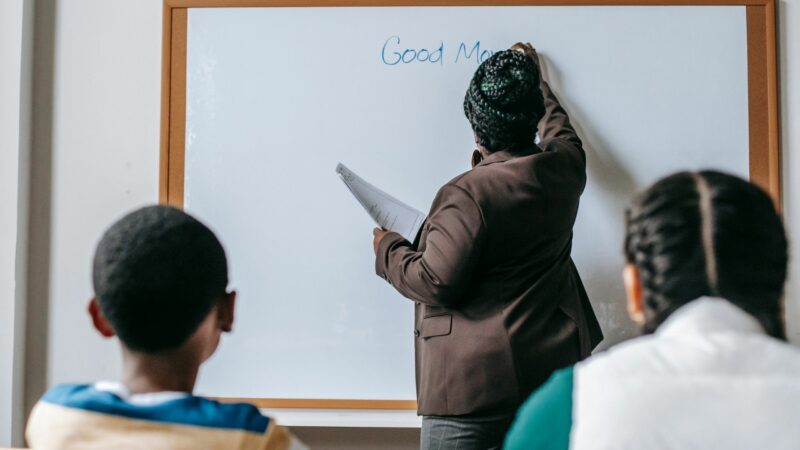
(708, 234)
(504, 101)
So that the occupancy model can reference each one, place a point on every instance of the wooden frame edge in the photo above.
(763, 101)
(166, 95)
(173, 104)
(773, 97)
(177, 106)
(172, 158)
(434, 3)
(300, 403)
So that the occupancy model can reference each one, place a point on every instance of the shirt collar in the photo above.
(709, 315)
(149, 399)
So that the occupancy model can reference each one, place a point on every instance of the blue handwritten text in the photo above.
(394, 53)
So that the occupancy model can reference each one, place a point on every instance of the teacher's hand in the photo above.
(528, 49)
(378, 234)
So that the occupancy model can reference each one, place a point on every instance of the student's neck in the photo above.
(169, 371)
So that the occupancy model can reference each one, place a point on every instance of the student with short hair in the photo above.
(706, 264)
(160, 284)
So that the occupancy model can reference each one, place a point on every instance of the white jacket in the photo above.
(709, 378)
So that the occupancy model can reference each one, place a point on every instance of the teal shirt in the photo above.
(545, 420)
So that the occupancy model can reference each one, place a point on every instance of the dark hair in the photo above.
(504, 101)
(157, 274)
(708, 234)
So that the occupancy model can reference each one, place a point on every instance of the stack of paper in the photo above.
(385, 210)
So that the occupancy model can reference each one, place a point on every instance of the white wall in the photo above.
(10, 59)
(102, 159)
(105, 138)
(14, 89)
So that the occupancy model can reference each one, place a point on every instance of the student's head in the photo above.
(504, 102)
(160, 279)
(692, 235)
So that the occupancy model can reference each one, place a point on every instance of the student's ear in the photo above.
(226, 312)
(99, 319)
(633, 290)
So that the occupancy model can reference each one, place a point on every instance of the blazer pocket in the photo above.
(433, 326)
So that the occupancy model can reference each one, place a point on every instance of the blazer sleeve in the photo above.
(555, 124)
(439, 274)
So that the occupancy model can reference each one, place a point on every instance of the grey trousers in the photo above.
(464, 433)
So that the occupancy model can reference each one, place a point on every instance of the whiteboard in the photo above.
(277, 96)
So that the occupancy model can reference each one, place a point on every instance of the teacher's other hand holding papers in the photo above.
(378, 234)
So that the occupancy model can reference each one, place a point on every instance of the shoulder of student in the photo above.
(734, 354)
(188, 411)
(545, 420)
(641, 383)
(279, 438)
(98, 414)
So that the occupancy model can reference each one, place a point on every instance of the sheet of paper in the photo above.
(385, 210)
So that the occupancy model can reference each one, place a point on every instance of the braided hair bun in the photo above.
(504, 101)
(708, 234)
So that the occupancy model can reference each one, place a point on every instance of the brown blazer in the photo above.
(499, 302)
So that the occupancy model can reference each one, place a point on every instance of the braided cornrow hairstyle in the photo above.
(504, 101)
(708, 234)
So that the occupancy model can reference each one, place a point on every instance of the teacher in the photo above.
(499, 302)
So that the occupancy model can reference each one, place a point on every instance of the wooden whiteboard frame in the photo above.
(762, 86)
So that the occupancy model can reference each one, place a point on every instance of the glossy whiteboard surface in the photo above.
(276, 97)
